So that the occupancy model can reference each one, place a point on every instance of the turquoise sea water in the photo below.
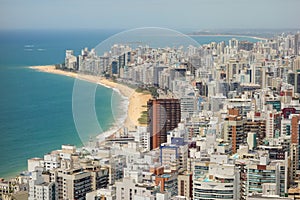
(36, 108)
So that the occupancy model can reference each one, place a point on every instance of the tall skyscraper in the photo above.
(185, 184)
(163, 116)
(234, 129)
(296, 44)
(296, 64)
(294, 148)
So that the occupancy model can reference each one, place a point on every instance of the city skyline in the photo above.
(196, 99)
(215, 121)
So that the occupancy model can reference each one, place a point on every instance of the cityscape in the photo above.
(217, 121)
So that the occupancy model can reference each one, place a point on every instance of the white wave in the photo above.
(105, 85)
(29, 46)
(119, 119)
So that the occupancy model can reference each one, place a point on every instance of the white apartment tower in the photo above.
(221, 182)
(39, 189)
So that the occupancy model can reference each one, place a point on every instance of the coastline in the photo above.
(135, 104)
(231, 35)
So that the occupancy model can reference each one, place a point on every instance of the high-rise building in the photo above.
(264, 171)
(174, 155)
(245, 45)
(116, 165)
(234, 129)
(39, 189)
(257, 126)
(242, 170)
(114, 67)
(163, 116)
(142, 136)
(156, 72)
(275, 103)
(294, 77)
(129, 188)
(202, 88)
(167, 183)
(296, 64)
(51, 161)
(294, 149)
(185, 185)
(99, 175)
(71, 183)
(251, 140)
(233, 43)
(104, 63)
(70, 60)
(297, 81)
(273, 121)
(296, 50)
(188, 105)
(232, 68)
(221, 182)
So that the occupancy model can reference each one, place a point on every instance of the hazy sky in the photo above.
(177, 14)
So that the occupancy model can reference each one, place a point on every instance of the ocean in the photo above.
(35, 107)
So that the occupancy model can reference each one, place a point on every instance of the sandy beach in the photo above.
(137, 101)
(51, 69)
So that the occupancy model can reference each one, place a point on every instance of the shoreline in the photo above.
(135, 100)
(231, 35)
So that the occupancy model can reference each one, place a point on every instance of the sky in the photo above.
(125, 14)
